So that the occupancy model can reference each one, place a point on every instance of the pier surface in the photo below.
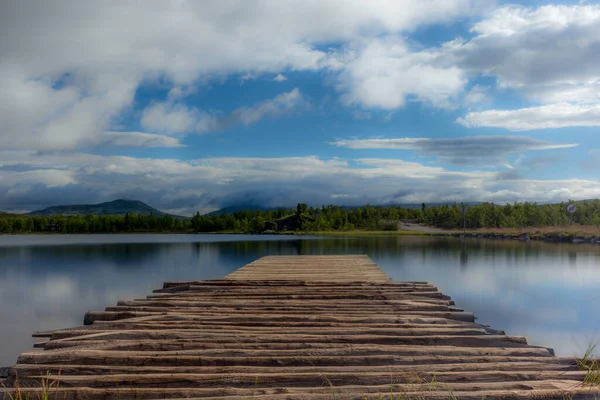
(293, 327)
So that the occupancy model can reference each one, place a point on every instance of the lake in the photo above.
(547, 292)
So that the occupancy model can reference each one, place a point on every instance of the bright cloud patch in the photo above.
(559, 115)
(548, 54)
(175, 119)
(170, 118)
(468, 150)
(138, 139)
(279, 105)
(383, 72)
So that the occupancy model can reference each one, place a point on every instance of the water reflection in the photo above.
(546, 292)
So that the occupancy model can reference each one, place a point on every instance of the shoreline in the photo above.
(523, 235)
(544, 237)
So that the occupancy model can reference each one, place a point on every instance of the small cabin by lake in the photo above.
(287, 223)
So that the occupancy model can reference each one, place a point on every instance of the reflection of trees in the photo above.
(464, 254)
(572, 258)
(234, 254)
(123, 255)
(379, 246)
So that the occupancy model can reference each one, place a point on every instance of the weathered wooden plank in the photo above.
(279, 359)
(92, 316)
(228, 284)
(182, 330)
(337, 268)
(399, 370)
(556, 390)
(132, 348)
(325, 385)
(503, 379)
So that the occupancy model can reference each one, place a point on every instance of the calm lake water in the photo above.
(547, 292)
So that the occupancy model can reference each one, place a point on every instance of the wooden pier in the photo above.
(293, 327)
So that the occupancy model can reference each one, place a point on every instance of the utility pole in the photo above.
(463, 208)
(572, 209)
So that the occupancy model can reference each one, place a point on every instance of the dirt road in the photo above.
(421, 228)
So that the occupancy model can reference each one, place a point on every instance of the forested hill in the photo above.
(116, 207)
(333, 218)
(240, 207)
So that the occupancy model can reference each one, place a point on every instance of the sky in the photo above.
(191, 106)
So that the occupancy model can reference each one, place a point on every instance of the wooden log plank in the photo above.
(480, 340)
(181, 344)
(270, 293)
(351, 296)
(177, 308)
(194, 320)
(155, 348)
(92, 316)
(189, 367)
(503, 379)
(319, 331)
(228, 283)
(556, 390)
(191, 320)
(234, 302)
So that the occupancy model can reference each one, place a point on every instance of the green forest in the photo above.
(326, 218)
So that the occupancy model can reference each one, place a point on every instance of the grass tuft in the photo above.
(591, 366)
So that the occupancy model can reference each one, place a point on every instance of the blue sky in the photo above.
(192, 106)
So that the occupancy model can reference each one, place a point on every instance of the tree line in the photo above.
(92, 224)
(325, 218)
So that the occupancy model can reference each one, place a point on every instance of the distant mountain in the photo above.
(7, 215)
(116, 207)
(242, 207)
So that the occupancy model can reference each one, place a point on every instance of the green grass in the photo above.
(591, 366)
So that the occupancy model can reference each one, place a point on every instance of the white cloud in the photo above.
(169, 118)
(549, 45)
(138, 139)
(37, 116)
(464, 145)
(570, 93)
(70, 69)
(279, 105)
(466, 150)
(549, 116)
(280, 78)
(178, 119)
(208, 122)
(383, 72)
(548, 54)
(477, 96)
(179, 92)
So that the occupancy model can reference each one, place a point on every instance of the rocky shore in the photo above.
(545, 237)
